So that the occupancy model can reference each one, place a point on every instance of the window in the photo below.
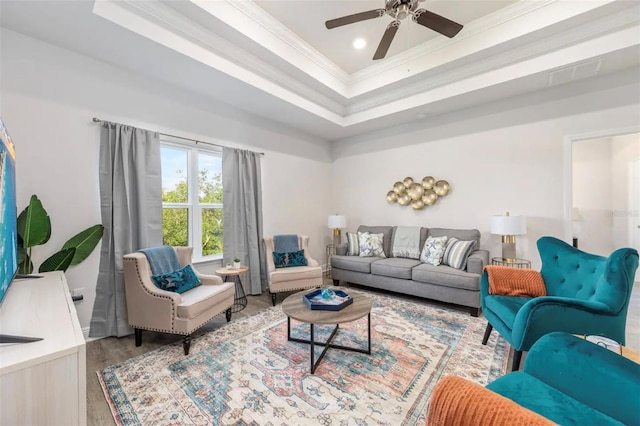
(192, 199)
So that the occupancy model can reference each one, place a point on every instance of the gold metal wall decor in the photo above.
(418, 194)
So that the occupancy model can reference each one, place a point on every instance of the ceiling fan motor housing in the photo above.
(400, 9)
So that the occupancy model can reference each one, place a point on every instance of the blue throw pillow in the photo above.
(287, 260)
(182, 280)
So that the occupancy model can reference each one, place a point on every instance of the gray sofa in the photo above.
(410, 276)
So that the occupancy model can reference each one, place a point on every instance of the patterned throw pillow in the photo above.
(353, 246)
(457, 252)
(182, 280)
(433, 250)
(290, 259)
(371, 244)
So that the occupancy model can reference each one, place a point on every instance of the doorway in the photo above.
(605, 192)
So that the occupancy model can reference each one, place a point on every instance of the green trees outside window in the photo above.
(197, 223)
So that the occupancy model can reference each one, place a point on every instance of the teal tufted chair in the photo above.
(586, 294)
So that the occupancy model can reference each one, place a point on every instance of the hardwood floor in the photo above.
(109, 351)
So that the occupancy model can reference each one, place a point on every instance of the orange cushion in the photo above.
(459, 402)
(507, 281)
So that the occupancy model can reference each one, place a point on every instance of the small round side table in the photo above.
(233, 275)
(514, 263)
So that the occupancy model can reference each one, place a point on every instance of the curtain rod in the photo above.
(196, 141)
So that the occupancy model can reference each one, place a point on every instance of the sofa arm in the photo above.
(459, 402)
(591, 374)
(341, 249)
(477, 261)
(209, 279)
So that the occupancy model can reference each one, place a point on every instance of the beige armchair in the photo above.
(150, 308)
(293, 278)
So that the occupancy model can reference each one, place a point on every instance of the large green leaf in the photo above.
(84, 243)
(60, 261)
(34, 225)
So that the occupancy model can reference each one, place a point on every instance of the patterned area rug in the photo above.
(247, 373)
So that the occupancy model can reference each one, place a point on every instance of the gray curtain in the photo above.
(242, 198)
(131, 207)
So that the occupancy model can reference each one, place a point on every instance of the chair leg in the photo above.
(517, 355)
(138, 332)
(273, 299)
(228, 314)
(487, 333)
(336, 282)
(186, 344)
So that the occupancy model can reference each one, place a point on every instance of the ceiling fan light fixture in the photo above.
(359, 43)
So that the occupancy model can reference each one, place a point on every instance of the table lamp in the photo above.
(576, 218)
(337, 222)
(508, 226)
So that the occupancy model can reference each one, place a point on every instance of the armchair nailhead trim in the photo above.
(296, 288)
(173, 305)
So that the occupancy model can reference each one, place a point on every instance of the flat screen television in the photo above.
(8, 212)
(8, 224)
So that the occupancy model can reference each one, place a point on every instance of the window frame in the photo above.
(193, 205)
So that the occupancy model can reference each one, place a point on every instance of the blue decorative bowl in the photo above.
(316, 302)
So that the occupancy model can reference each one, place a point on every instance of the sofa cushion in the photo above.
(457, 252)
(433, 250)
(461, 234)
(295, 274)
(371, 245)
(353, 244)
(180, 281)
(353, 263)
(385, 230)
(202, 298)
(537, 396)
(446, 276)
(289, 259)
(394, 267)
(505, 307)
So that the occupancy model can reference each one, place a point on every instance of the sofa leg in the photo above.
(336, 282)
(273, 299)
(474, 312)
(517, 355)
(138, 332)
(228, 314)
(487, 333)
(186, 344)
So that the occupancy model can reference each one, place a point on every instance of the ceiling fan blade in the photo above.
(437, 23)
(356, 17)
(387, 38)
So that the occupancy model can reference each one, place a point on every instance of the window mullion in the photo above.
(194, 194)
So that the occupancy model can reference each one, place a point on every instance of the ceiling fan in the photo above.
(398, 10)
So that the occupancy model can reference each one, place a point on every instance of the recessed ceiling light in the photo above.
(359, 43)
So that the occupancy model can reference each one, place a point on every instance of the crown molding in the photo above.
(471, 29)
(605, 25)
(175, 22)
(268, 22)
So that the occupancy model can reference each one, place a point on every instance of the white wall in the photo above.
(49, 96)
(505, 156)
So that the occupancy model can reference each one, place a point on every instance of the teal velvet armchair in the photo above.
(586, 294)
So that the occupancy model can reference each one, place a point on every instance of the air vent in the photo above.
(575, 72)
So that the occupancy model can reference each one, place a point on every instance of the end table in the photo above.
(514, 263)
(240, 299)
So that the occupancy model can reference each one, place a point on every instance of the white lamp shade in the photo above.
(337, 221)
(508, 225)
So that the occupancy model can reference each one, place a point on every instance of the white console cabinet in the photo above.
(43, 382)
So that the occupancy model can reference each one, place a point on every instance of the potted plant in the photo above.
(236, 262)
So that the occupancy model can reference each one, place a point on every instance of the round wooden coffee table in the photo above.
(294, 307)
